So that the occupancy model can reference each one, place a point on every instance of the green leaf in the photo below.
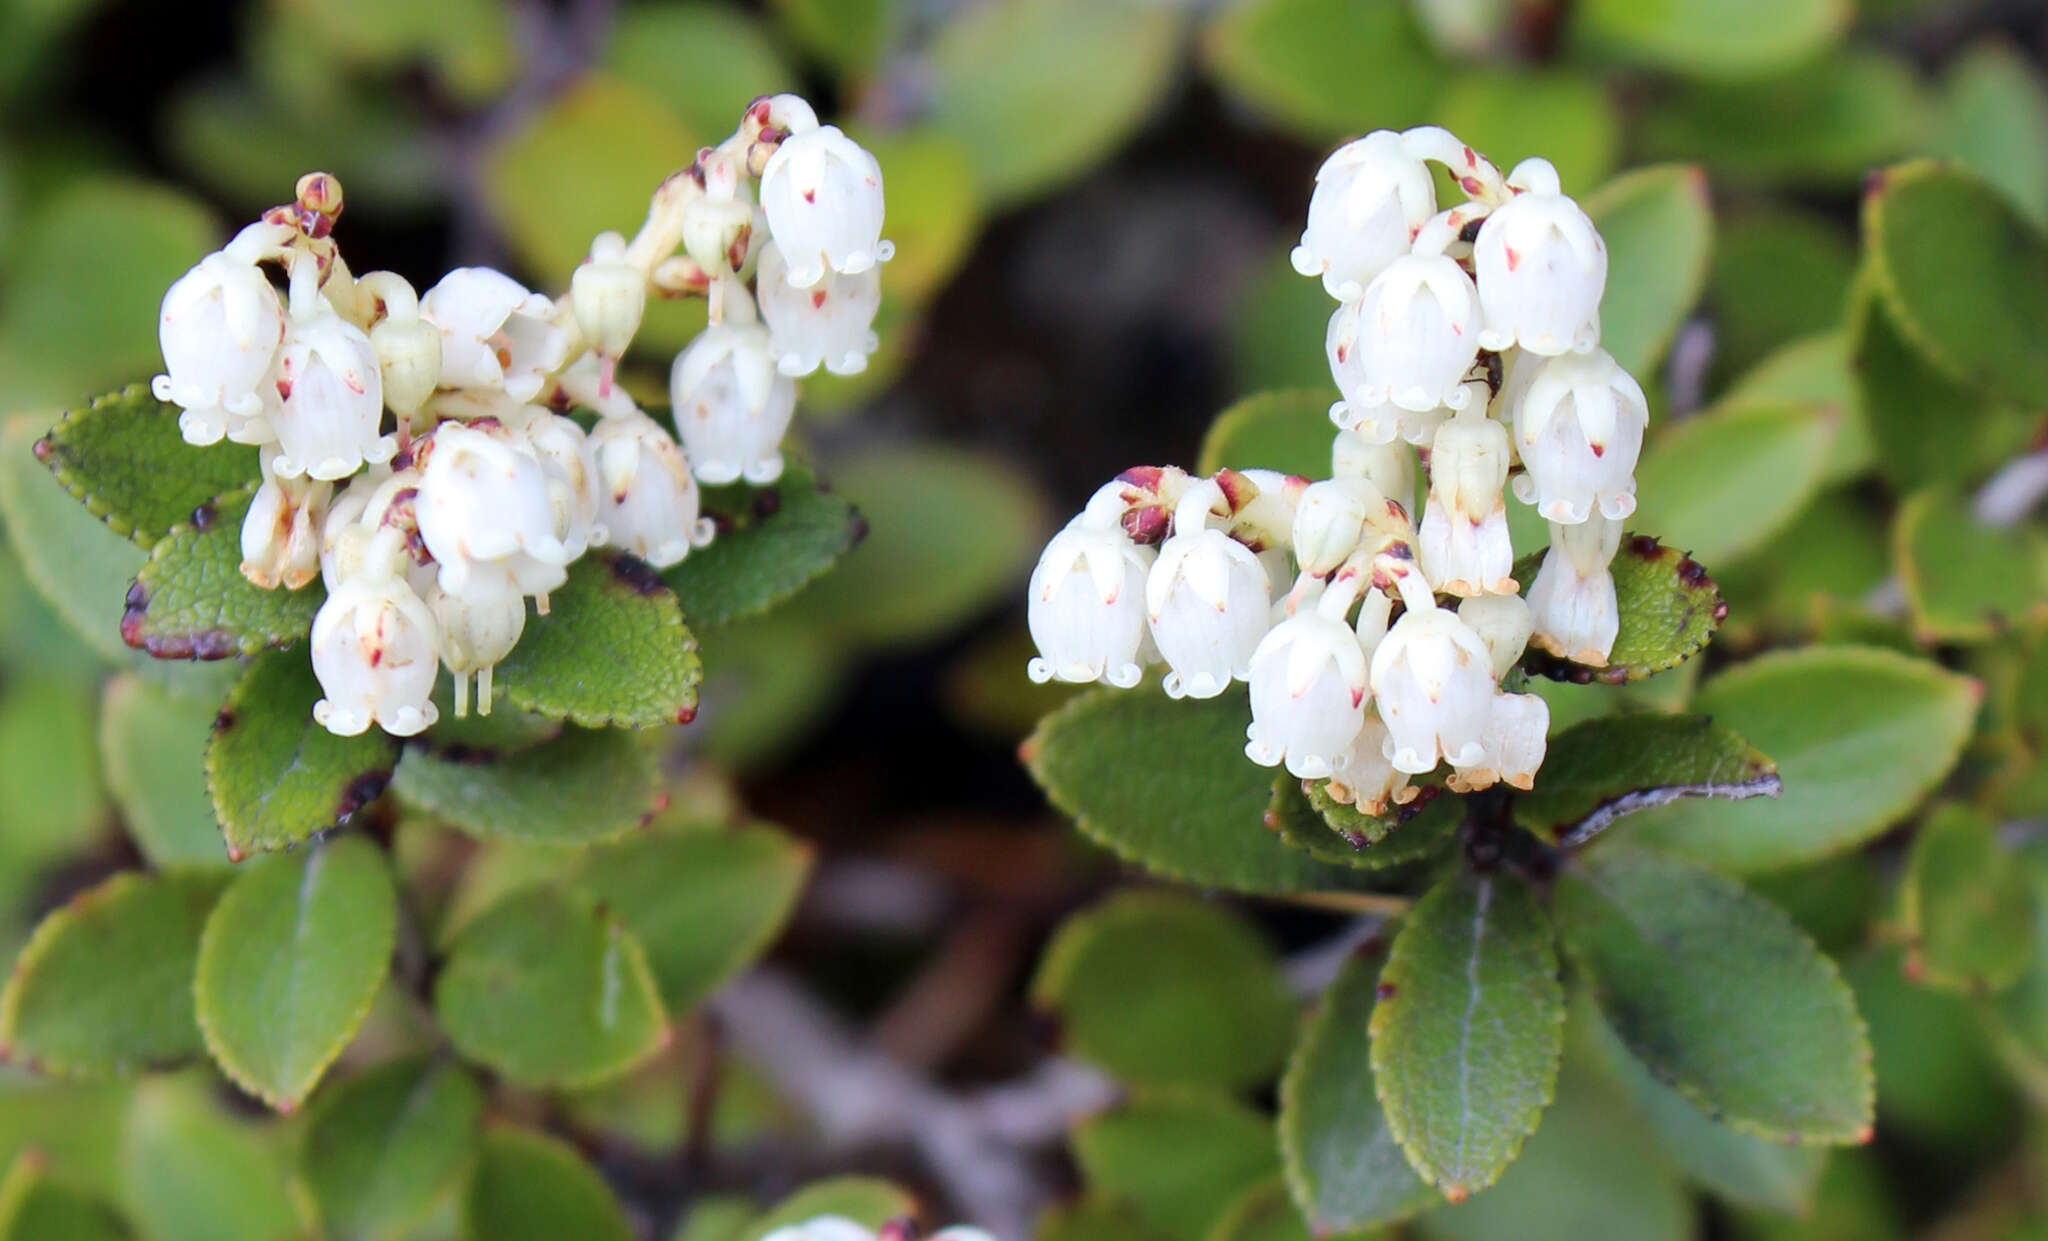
(583, 786)
(1939, 1080)
(1719, 995)
(153, 742)
(1091, 1217)
(33, 1207)
(1179, 1158)
(548, 991)
(772, 541)
(852, 36)
(1276, 335)
(1967, 905)
(1604, 769)
(386, 1147)
(190, 601)
(866, 1200)
(1306, 818)
(612, 651)
(1565, 117)
(66, 553)
(1344, 1167)
(192, 1172)
(51, 806)
(277, 777)
(1668, 609)
(292, 956)
(105, 985)
(1289, 431)
(76, 1126)
(1963, 274)
(1816, 368)
(531, 1187)
(1199, 819)
(1860, 735)
(470, 43)
(1778, 274)
(716, 1217)
(1261, 1213)
(124, 456)
(1713, 38)
(1721, 483)
(1469, 1029)
(1041, 90)
(1160, 988)
(1660, 233)
(1994, 118)
(1966, 582)
(1297, 62)
(732, 61)
(702, 901)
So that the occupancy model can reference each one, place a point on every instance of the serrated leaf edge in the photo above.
(73, 483)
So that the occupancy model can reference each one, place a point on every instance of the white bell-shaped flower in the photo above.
(1517, 735)
(486, 515)
(494, 332)
(409, 360)
(1579, 429)
(1573, 612)
(1503, 623)
(1329, 520)
(1433, 680)
(1407, 341)
(1370, 197)
(830, 324)
(1542, 268)
(1372, 783)
(1386, 465)
(376, 651)
(731, 405)
(477, 633)
(822, 193)
(328, 390)
(570, 461)
(647, 499)
(220, 328)
(609, 296)
(1463, 542)
(1086, 608)
(281, 533)
(1308, 691)
(1209, 602)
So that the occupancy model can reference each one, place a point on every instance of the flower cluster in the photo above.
(416, 452)
(841, 1228)
(1471, 334)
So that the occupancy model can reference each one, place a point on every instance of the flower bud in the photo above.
(409, 360)
(376, 652)
(1542, 268)
(647, 499)
(730, 405)
(1408, 340)
(494, 333)
(1502, 622)
(1572, 607)
(822, 194)
(718, 227)
(329, 397)
(1387, 466)
(1329, 520)
(220, 328)
(830, 324)
(1463, 542)
(1371, 783)
(1579, 429)
(1308, 691)
(1370, 197)
(1087, 607)
(1209, 602)
(477, 633)
(609, 297)
(1433, 680)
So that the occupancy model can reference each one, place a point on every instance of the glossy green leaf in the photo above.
(547, 990)
(1965, 582)
(1967, 905)
(1469, 1029)
(1719, 995)
(1297, 62)
(124, 456)
(1040, 90)
(1344, 1168)
(1288, 430)
(1994, 118)
(1720, 484)
(732, 62)
(1199, 820)
(276, 776)
(1859, 735)
(105, 985)
(583, 786)
(702, 901)
(531, 1187)
(292, 956)
(190, 601)
(1178, 1158)
(153, 742)
(1161, 988)
(612, 650)
(1307, 818)
(66, 553)
(1667, 608)
(1723, 38)
(1964, 275)
(866, 1200)
(772, 541)
(386, 1147)
(192, 1172)
(1604, 769)
(1511, 115)
(1659, 231)
(36, 1207)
